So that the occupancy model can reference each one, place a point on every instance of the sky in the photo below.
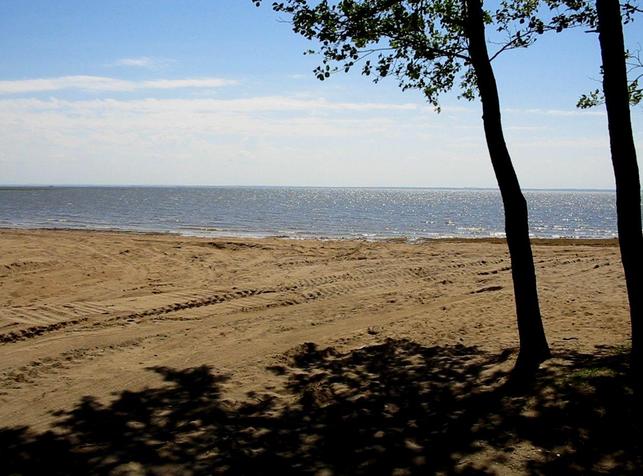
(218, 92)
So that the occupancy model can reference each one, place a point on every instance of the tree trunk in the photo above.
(626, 171)
(533, 343)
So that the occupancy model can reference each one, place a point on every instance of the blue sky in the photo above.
(218, 92)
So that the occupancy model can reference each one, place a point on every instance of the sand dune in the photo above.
(90, 313)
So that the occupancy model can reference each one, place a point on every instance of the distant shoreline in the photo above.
(238, 238)
(329, 187)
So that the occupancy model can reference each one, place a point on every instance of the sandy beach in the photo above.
(224, 340)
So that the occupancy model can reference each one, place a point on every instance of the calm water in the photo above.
(304, 212)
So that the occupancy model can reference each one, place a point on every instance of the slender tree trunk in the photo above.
(533, 343)
(626, 171)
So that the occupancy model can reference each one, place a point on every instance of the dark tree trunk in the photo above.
(626, 170)
(533, 343)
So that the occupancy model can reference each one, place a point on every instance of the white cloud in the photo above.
(284, 139)
(197, 106)
(148, 122)
(251, 140)
(143, 62)
(101, 83)
(185, 83)
(557, 112)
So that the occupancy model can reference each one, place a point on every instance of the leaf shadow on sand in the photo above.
(392, 408)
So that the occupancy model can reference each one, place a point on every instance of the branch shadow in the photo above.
(393, 408)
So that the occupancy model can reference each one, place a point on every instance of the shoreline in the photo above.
(608, 241)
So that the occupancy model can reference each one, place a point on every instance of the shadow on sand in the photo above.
(393, 408)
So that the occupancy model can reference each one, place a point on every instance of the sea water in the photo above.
(371, 213)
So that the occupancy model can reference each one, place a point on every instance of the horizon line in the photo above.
(409, 187)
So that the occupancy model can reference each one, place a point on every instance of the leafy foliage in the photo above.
(595, 98)
(582, 13)
(421, 43)
(591, 99)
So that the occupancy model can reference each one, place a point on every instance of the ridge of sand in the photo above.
(89, 313)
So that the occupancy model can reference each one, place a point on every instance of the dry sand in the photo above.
(107, 317)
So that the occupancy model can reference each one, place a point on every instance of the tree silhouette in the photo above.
(434, 45)
(626, 171)
(604, 17)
